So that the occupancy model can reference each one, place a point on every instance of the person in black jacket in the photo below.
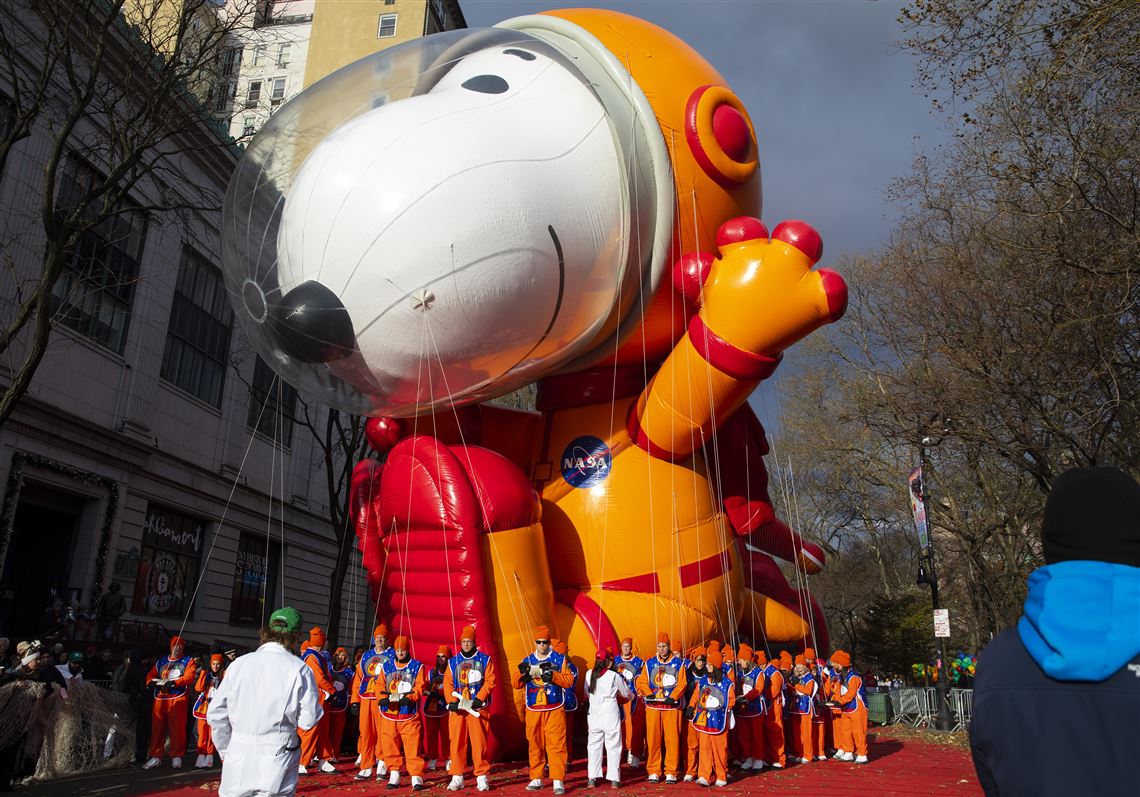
(1057, 699)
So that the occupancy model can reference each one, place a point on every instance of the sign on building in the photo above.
(169, 560)
(918, 507)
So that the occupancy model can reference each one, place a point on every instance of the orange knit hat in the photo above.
(218, 657)
(444, 650)
(380, 630)
(745, 653)
(809, 654)
(542, 632)
(785, 659)
(468, 632)
(662, 638)
(699, 650)
(801, 660)
(558, 646)
(715, 659)
(175, 641)
(401, 643)
(842, 658)
(316, 636)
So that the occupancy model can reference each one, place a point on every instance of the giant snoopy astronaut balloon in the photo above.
(570, 199)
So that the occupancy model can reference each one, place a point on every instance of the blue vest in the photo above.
(861, 698)
(394, 676)
(801, 703)
(203, 702)
(752, 706)
(712, 719)
(435, 704)
(769, 671)
(339, 700)
(656, 671)
(629, 670)
(172, 669)
(571, 694)
(461, 668)
(541, 696)
(371, 664)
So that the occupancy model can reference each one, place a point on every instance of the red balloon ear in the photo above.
(383, 433)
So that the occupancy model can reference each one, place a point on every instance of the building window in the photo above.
(389, 2)
(259, 55)
(94, 291)
(253, 95)
(272, 405)
(231, 59)
(276, 91)
(283, 54)
(255, 579)
(168, 564)
(249, 127)
(198, 339)
(226, 92)
(387, 26)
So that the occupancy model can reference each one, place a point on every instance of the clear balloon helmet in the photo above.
(439, 223)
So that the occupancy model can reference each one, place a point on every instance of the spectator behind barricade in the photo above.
(53, 618)
(72, 672)
(129, 678)
(14, 661)
(112, 605)
(1057, 699)
(94, 668)
(22, 749)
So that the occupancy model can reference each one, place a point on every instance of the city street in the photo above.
(903, 762)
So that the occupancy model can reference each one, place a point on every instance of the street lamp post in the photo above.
(942, 719)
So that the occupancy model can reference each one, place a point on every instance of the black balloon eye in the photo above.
(486, 84)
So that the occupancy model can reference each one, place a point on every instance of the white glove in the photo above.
(535, 672)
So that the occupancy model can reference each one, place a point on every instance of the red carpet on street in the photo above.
(899, 766)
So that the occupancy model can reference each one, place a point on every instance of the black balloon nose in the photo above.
(312, 325)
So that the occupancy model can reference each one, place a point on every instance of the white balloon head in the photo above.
(447, 220)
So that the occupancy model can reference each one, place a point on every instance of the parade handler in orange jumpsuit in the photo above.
(847, 693)
(803, 696)
(629, 666)
(468, 685)
(398, 698)
(437, 743)
(544, 675)
(171, 676)
(662, 685)
(749, 710)
(315, 741)
(708, 712)
(694, 669)
(774, 716)
(822, 716)
(208, 680)
(368, 672)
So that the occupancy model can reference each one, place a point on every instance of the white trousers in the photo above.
(610, 739)
(260, 770)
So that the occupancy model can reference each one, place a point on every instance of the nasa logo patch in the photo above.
(585, 462)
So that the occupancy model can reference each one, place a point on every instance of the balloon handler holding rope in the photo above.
(570, 199)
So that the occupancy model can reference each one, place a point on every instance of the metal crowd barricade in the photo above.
(962, 702)
(909, 706)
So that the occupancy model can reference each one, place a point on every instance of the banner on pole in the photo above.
(941, 622)
(918, 506)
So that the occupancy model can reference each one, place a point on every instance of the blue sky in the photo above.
(827, 87)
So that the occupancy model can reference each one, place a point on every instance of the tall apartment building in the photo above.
(153, 450)
(286, 45)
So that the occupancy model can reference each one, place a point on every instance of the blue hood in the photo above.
(1082, 619)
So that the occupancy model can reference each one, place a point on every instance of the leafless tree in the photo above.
(107, 97)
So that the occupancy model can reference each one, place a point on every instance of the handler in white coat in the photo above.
(606, 690)
(264, 698)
